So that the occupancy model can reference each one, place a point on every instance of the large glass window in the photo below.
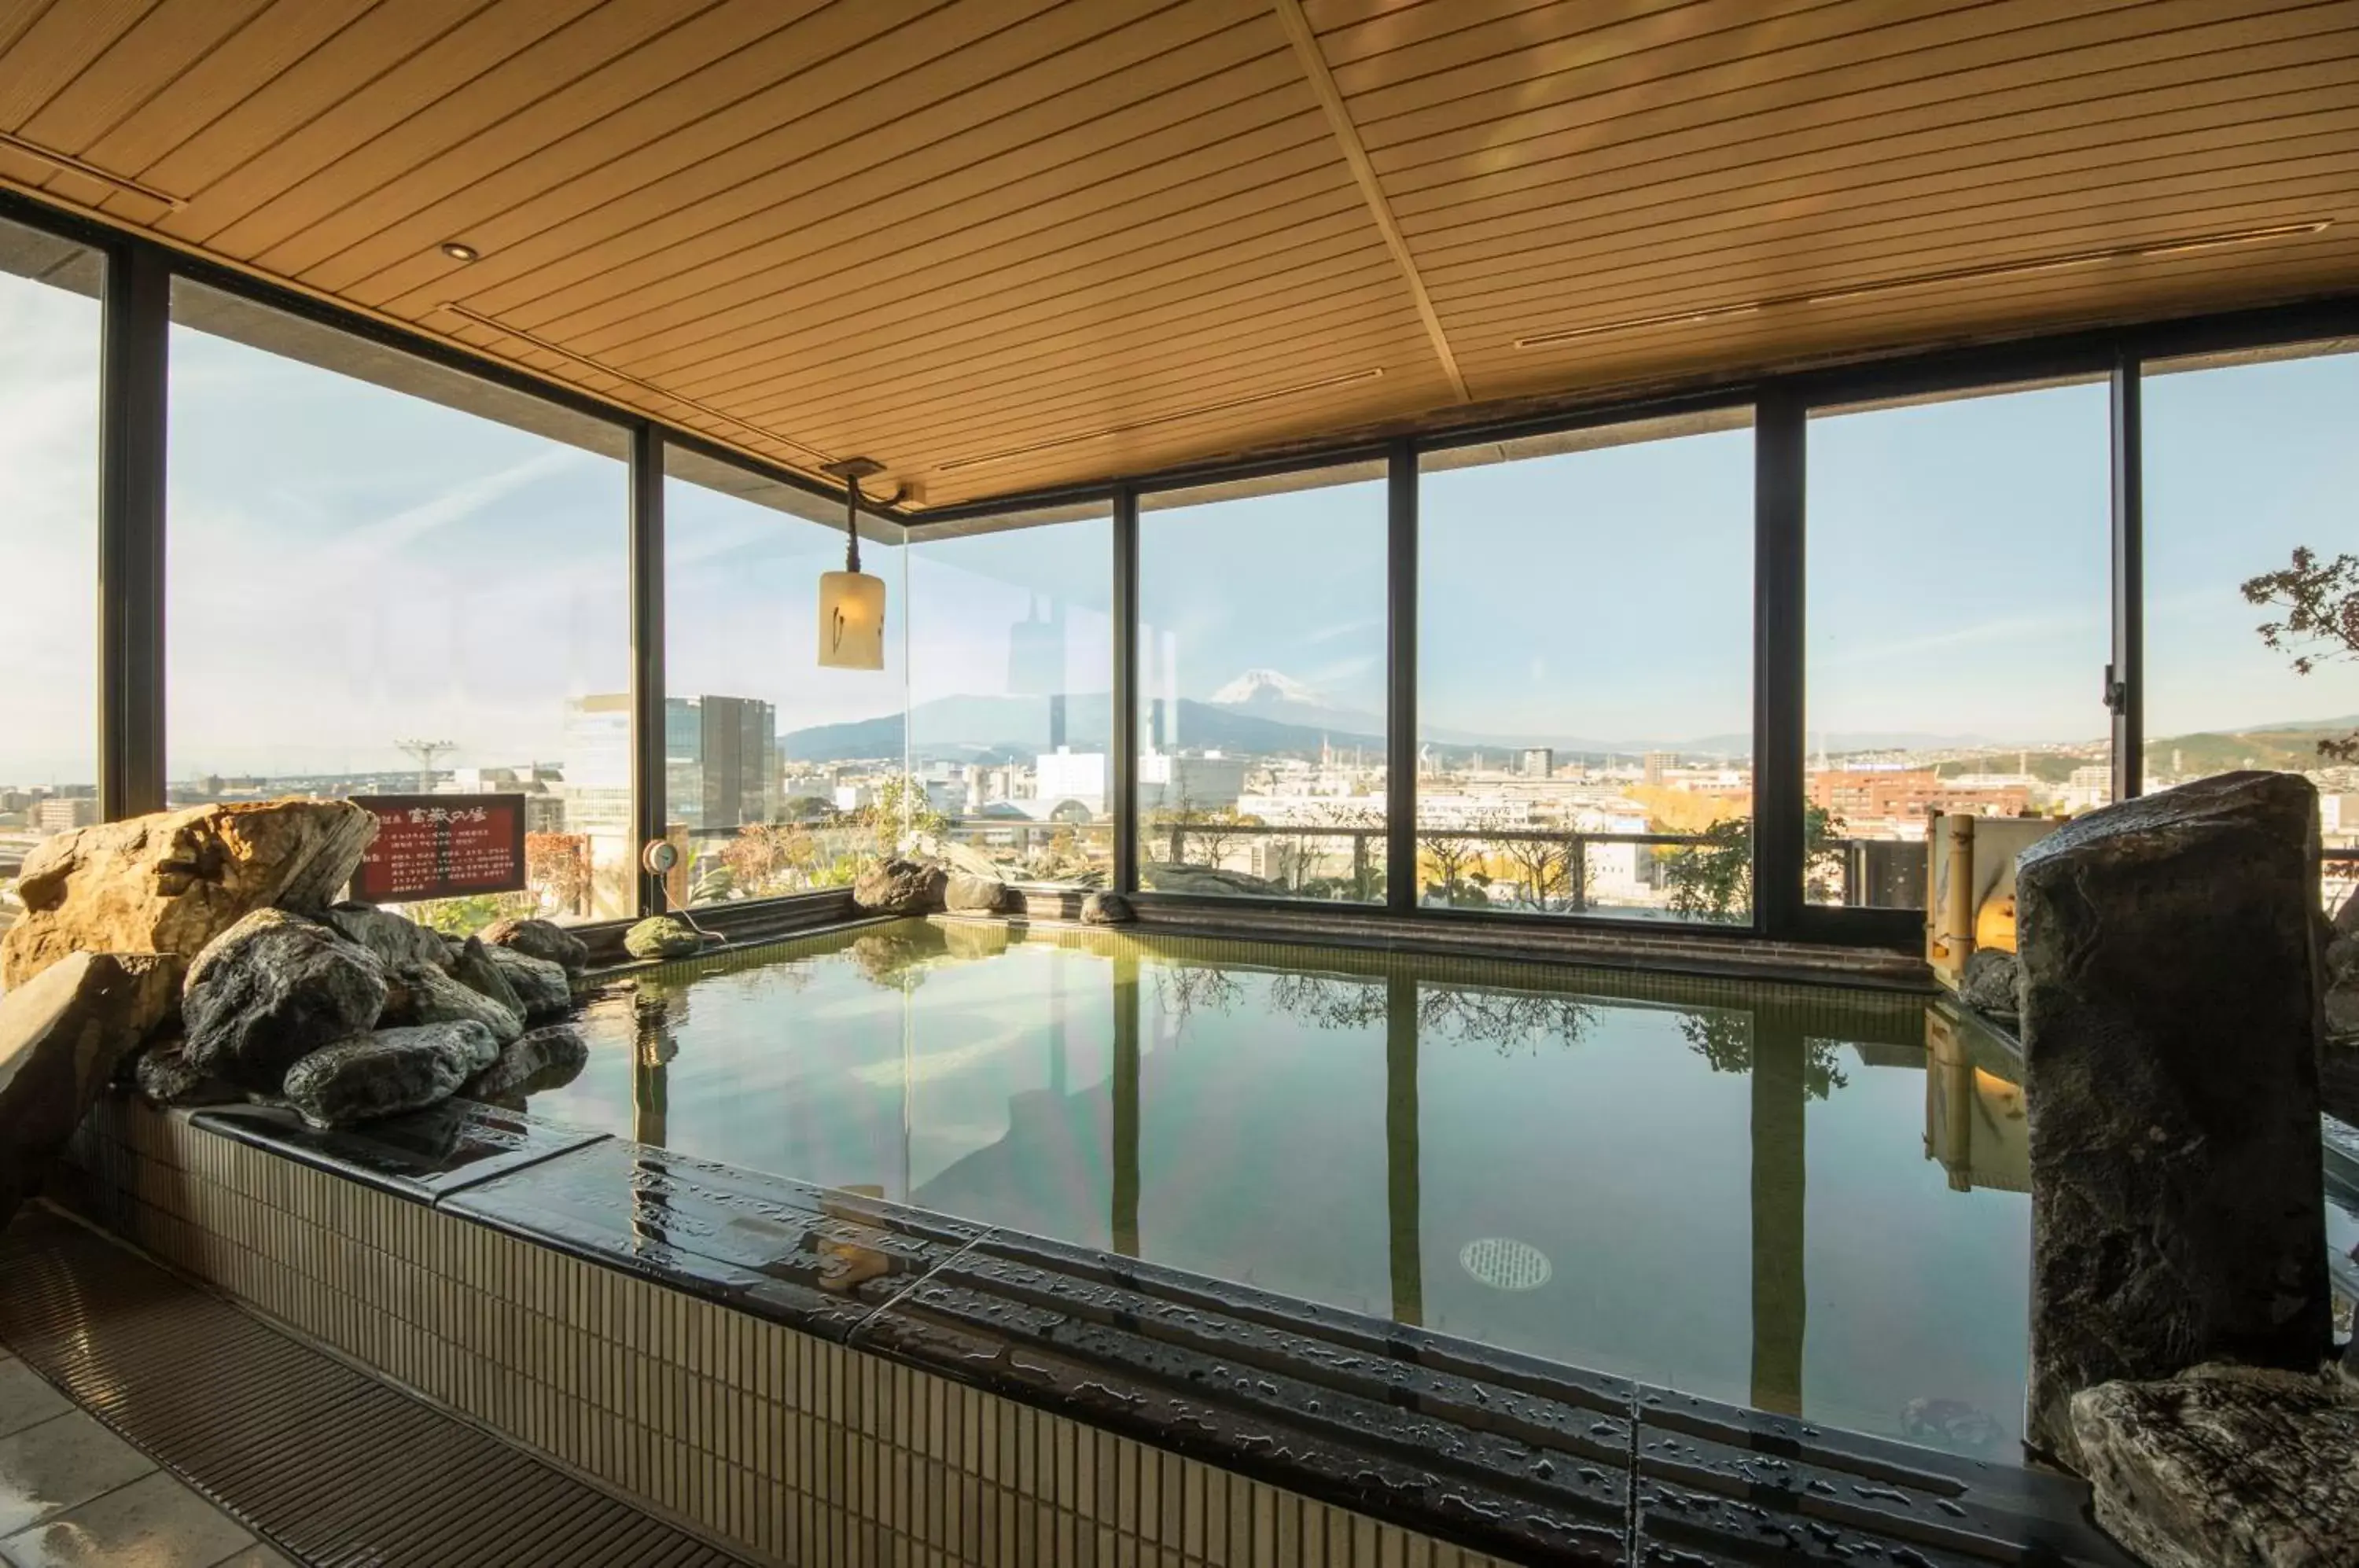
(1011, 695)
(780, 776)
(1958, 602)
(385, 577)
(48, 475)
(1261, 687)
(2249, 458)
(1584, 672)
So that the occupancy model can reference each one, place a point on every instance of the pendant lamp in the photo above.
(850, 602)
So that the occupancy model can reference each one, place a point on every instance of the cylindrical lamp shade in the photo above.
(851, 621)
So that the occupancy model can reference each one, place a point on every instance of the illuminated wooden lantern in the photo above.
(850, 602)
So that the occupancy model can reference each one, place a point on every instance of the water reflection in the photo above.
(1805, 1200)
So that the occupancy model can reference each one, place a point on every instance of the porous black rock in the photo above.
(474, 966)
(2171, 1026)
(270, 990)
(165, 1078)
(395, 940)
(899, 888)
(546, 1058)
(539, 939)
(386, 1072)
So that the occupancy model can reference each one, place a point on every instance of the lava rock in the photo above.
(422, 993)
(899, 888)
(171, 882)
(542, 987)
(62, 1034)
(270, 991)
(2172, 1034)
(544, 940)
(165, 1078)
(662, 936)
(1992, 984)
(386, 1072)
(547, 1058)
(2224, 1467)
(1107, 910)
(971, 894)
(394, 940)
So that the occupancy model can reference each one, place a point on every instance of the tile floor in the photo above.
(73, 1495)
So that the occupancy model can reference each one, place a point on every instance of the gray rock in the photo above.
(1106, 909)
(62, 1034)
(899, 888)
(971, 894)
(2171, 1033)
(396, 940)
(165, 1078)
(1991, 984)
(662, 936)
(544, 940)
(542, 1059)
(540, 985)
(2346, 919)
(472, 966)
(1218, 881)
(387, 1071)
(2225, 1467)
(270, 991)
(422, 993)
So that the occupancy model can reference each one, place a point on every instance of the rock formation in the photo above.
(170, 883)
(472, 966)
(270, 990)
(164, 1077)
(540, 988)
(662, 936)
(421, 994)
(899, 888)
(971, 894)
(2170, 1029)
(62, 1034)
(544, 940)
(1106, 909)
(544, 1058)
(2225, 1467)
(387, 1071)
(394, 940)
(1992, 985)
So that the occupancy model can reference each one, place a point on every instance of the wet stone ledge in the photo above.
(1503, 1452)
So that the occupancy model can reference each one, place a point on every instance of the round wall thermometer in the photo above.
(661, 856)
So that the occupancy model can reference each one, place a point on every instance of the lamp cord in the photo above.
(852, 525)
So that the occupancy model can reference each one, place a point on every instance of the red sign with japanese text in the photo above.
(441, 846)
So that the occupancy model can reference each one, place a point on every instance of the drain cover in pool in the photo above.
(1505, 1264)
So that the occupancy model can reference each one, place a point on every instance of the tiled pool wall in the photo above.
(781, 1444)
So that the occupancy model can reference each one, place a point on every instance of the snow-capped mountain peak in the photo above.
(1262, 687)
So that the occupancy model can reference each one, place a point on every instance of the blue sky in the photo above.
(349, 566)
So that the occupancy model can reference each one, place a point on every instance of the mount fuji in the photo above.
(1273, 695)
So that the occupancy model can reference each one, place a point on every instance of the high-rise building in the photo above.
(1539, 761)
(721, 762)
(1655, 764)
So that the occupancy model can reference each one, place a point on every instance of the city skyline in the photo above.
(426, 569)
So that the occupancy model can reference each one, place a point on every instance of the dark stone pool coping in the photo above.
(1506, 1453)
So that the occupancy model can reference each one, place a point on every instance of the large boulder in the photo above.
(547, 1058)
(540, 988)
(421, 994)
(172, 882)
(270, 990)
(62, 1034)
(899, 888)
(967, 893)
(386, 1072)
(544, 940)
(662, 936)
(165, 1078)
(2172, 1031)
(1218, 881)
(393, 939)
(2225, 1467)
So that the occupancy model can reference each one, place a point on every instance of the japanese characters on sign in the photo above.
(441, 846)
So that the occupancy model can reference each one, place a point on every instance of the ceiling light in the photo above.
(850, 602)
(459, 250)
(1929, 279)
(1112, 430)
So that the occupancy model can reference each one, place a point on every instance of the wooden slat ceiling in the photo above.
(1002, 244)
